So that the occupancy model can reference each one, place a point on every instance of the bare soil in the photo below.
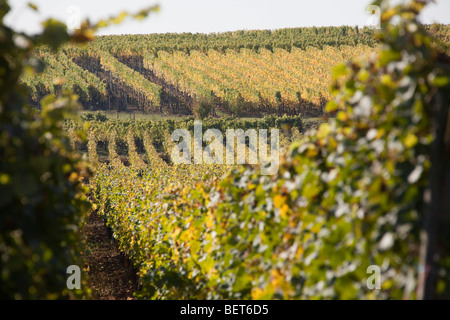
(108, 271)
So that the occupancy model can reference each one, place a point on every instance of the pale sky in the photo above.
(206, 16)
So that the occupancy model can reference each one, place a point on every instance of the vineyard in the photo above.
(236, 83)
(135, 183)
(251, 73)
(226, 232)
(358, 122)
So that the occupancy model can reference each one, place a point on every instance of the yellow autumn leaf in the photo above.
(410, 140)
(277, 278)
(184, 236)
(176, 232)
(299, 252)
(278, 200)
(257, 293)
(251, 186)
(380, 133)
(312, 151)
(283, 211)
(342, 116)
(209, 221)
(324, 130)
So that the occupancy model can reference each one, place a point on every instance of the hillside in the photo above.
(253, 73)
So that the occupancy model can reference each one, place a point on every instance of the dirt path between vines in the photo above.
(107, 273)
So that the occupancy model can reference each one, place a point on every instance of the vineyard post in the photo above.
(109, 92)
(437, 197)
(170, 96)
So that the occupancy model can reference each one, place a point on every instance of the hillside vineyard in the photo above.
(251, 73)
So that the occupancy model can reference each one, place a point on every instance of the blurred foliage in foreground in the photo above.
(42, 196)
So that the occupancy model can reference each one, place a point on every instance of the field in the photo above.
(301, 163)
